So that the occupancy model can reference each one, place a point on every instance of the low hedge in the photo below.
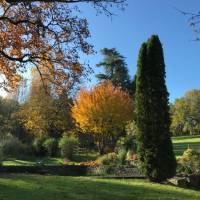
(65, 170)
(122, 171)
(75, 170)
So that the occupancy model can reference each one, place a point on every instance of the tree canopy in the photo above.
(186, 114)
(115, 69)
(45, 33)
(43, 114)
(103, 111)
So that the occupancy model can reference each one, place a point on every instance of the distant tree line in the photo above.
(185, 114)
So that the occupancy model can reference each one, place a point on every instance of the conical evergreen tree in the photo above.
(152, 109)
(115, 69)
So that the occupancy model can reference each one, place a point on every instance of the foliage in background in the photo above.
(38, 146)
(115, 69)
(9, 122)
(46, 33)
(189, 162)
(126, 146)
(131, 128)
(186, 114)
(68, 146)
(51, 146)
(108, 159)
(104, 112)
(152, 113)
(44, 113)
(10, 146)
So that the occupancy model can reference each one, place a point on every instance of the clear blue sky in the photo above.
(140, 20)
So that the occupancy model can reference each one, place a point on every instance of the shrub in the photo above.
(127, 143)
(90, 163)
(131, 128)
(108, 159)
(131, 156)
(10, 146)
(189, 162)
(68, 145)
(122, 153)
(50, 146)
(125, 148)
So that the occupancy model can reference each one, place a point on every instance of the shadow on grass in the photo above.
(33, 161)
(32, 187)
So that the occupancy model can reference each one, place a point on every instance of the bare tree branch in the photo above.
(68, 1)
(46, 33)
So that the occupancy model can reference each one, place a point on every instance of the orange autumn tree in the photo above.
(103, 111)
(50, 33)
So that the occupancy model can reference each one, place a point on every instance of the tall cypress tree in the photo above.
(152, 108)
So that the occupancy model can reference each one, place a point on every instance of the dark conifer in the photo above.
(152, 109)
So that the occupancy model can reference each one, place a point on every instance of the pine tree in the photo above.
(115, 69)
(152, 109)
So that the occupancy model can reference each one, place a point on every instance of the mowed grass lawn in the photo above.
(37, 187)
(184, 142)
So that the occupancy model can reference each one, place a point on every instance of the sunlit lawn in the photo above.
(182, 143)
(82, 157)
(33, 161)
(37, 187)
(186, 139)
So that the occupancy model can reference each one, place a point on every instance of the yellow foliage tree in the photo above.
(43, 114)
(47, 33)
(104, 112)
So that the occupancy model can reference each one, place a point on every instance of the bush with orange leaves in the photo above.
(103, 111)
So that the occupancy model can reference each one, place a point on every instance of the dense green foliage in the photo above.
(68, 145)
(126, 146)
(115, 70)
(9, 122)
(108, 159)
(33, 187)
(152, 110)
(189, 162)
(11, 146)
(186, 114)
(51, 146)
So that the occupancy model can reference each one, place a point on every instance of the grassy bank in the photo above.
(33, 187)
(184, 142)
(81, 157)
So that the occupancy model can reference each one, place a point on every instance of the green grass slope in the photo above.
(182, 143)
(31, 187)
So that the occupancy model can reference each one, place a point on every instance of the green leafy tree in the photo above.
(9, 122)
(7, 108)
(186, 114)
(153, 121)
(115, 69)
